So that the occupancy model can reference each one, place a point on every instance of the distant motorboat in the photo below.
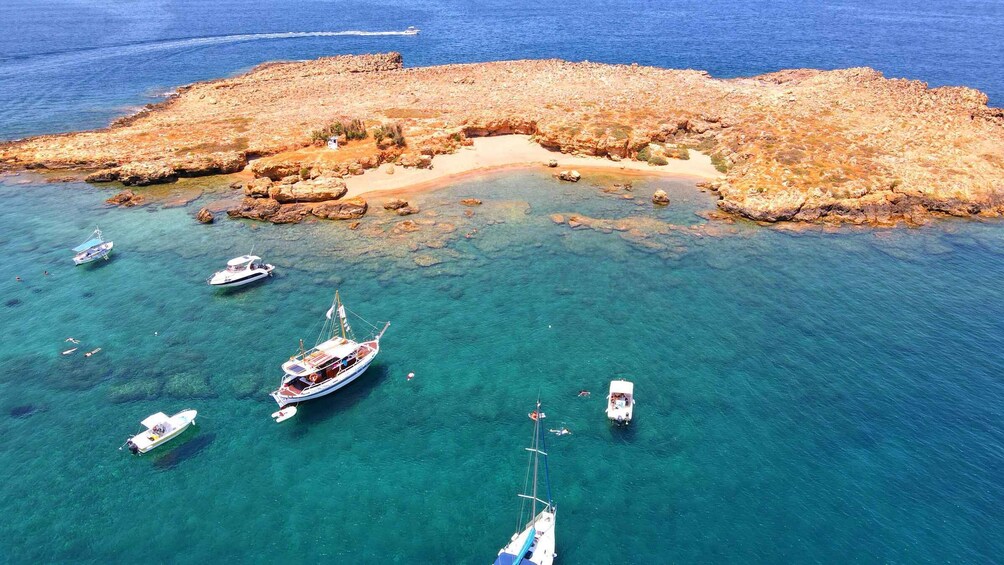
(93, 249)
(160, 429)
(242, 270)
(534, 544)
(620, 402)
(412, 30)
(330, 365)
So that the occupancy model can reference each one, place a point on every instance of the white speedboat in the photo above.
(330, 365)
(242, 270)
(412, 30)
(620, 402)
(535, 542)
(93, 249)
(160, 429)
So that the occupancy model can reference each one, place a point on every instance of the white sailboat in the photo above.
(93, 249)
(534, 540)
(335, 361)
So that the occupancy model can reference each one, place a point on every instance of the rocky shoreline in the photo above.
(800, 145)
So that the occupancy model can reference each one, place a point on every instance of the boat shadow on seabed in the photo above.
(185, 451)
(324, 408)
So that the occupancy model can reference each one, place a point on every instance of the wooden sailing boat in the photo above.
(534, 540)
(335, 361)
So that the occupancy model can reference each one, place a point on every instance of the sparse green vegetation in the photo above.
(658, 160)
(351, 129)
(645, 153)
(719, 163)
(390, 131)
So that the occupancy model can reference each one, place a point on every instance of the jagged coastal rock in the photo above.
(204, 216)
(660, 198)
(798, 145)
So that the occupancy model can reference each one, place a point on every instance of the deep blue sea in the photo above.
(816, 396)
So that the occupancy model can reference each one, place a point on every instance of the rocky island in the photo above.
(799, 145)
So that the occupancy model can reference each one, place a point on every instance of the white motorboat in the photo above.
(620, 402)
(535, 542)
(336, 360)
(160, 429)
(93, 249)
(412, 30)
(242, 270)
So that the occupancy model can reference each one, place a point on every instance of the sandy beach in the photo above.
(508, 152)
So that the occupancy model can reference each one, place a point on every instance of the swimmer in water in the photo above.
(18, 279)
(583, 393)
(562, 432)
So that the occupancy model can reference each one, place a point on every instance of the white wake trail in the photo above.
(52, 61)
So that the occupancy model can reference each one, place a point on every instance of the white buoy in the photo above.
(411, 376)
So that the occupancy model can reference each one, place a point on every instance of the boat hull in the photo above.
(258, 275)
(540, 551)
(354, 373)
(183, 419)
(104, 250)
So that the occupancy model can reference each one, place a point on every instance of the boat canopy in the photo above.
(340, 349)
(158, 418)
(87, 245)
(623, 387)
(242, 260)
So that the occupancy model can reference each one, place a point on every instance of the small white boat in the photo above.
(160, 429)
(330, 365)
(534, 542)
(242, 270)
(93, 249)
(620, 402)
(412, 30)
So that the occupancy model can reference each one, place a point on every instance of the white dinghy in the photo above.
(160, 429)
(93, 249)
(242, 270)
(620, 402)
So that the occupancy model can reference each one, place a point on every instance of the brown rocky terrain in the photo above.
(804, 145)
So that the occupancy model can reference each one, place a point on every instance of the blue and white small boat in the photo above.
(534, 544)
(93, 249)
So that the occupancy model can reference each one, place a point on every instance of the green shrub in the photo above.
(645, 153)
(658, 160)
(719, 162)
(390, 131)
(351, 129)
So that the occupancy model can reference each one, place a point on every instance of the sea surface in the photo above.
(803, 396)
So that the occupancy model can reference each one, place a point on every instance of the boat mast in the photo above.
(341, 319)
(536, 458)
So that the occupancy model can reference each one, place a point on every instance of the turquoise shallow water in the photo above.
(831, 397)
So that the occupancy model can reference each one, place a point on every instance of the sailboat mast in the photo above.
(341, 320)
(536, 459)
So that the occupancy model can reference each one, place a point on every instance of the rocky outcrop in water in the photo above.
(660, 198)
(126, 198)
(204, 216)
(798, 145)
